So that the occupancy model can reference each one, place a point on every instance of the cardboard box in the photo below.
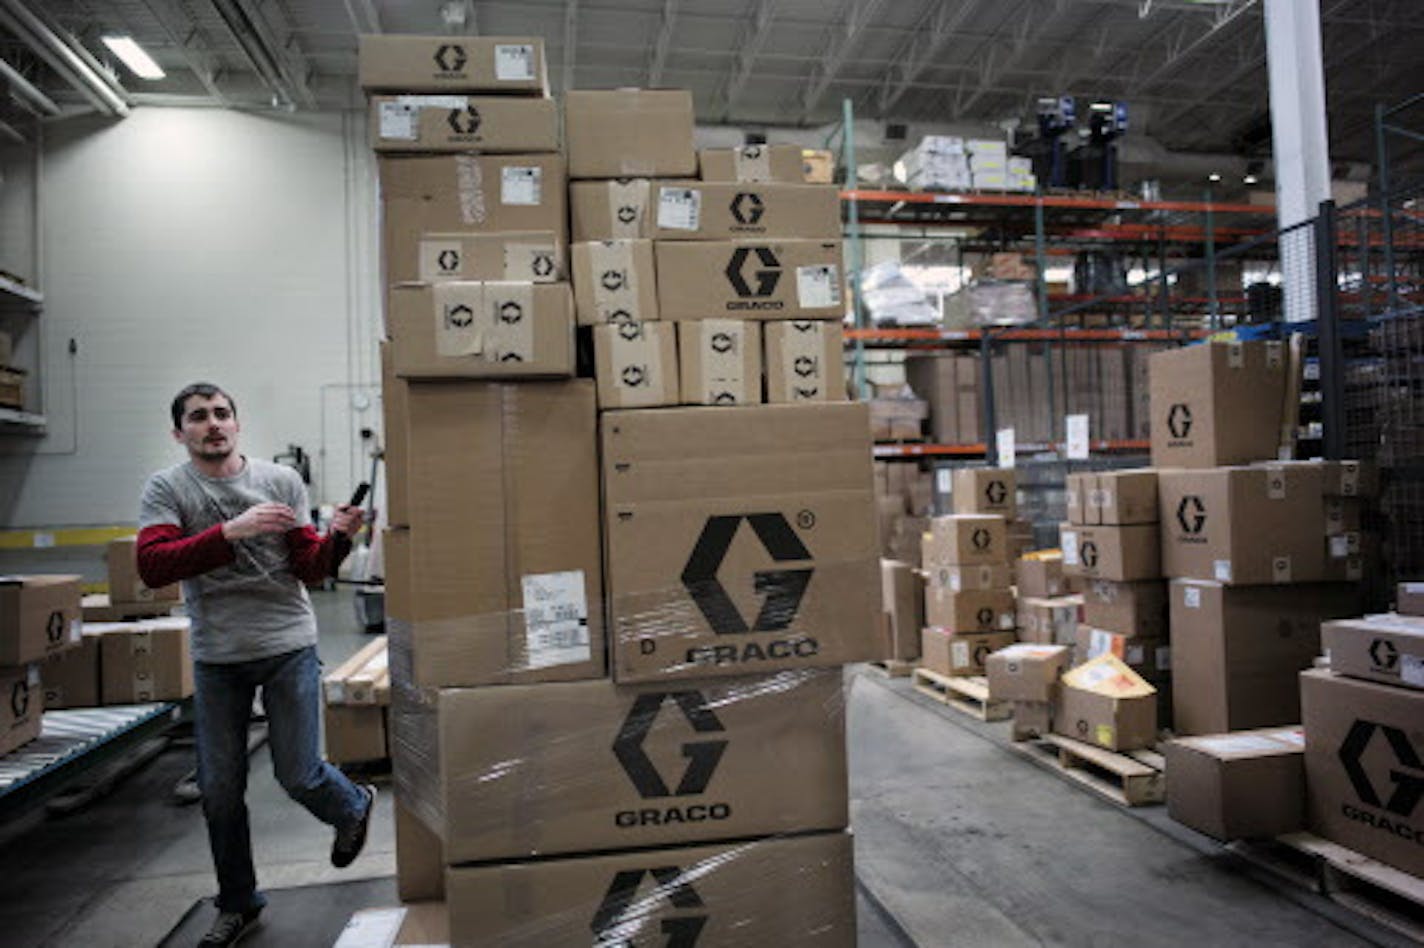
(470, 330)
(1129, 609)
(720, 361)
(520, 257)
(1409, 599)
(748, 279)
(1049, 621)
(635, 364)
(1122, 554)
(39, 617)
(752, 164)
(1032, 719)
(739, 540)
(610, 210)
(1246, 785)
(709, 895)
(710, 211)
(124, 582)
(1106, 703)
(986, 490)
(449, 122)
(1362, 748)
(978, 610)
(615, 281)
(627, 133)
(498, 580)
(1342, 516)
(354, 732)
(395, 429)
(1150, 658)
(146, 661)
(933, 376)
(1351, 478)
(959, 654)
(1244, 525)
(1124, 497)
(818, 166)
(405, 63)
(1026, 672)
(20, 715)
(805, 361)
(966, 540)
(1237, 649)
(902, 604)
(1217, 403)
(71, 678)
(1388, 648)
(1040, 575)
(1076, 492)
(420, 856)
(967, 577)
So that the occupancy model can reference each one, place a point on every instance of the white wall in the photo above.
(185, 244)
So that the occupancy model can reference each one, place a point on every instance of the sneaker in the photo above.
(350, 838)
(229, 928)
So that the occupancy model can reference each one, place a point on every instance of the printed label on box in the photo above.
(1281, 569)
(556, 619)
(1006, 621)
(1411, 670)
(959, 652)
(513, 62)
(1221, 569)
(1004, 440)
(1069, 542)
(1099, 643)
(1191, 597)
(399, 122)
(76, 630)
(1077, 429)
(944, 480)
(818, 287)
(679, 208)
(520, 185)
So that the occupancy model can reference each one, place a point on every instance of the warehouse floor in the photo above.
(958, 842)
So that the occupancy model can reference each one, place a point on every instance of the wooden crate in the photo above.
(970, 695)
(1130, 778)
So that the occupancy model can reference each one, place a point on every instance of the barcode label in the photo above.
(520, 185)
(399, 122)
(818, 287)
(514, 62)
(679, 208)
(556, 619)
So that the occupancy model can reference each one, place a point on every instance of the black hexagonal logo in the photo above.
(629, 330)
(995, 492)
(722, 342)
(1408, 777)
(1383, 655)
(767, 275)
(623, 915)
(510, 312)
(985, 616)
(1179, 420)
(981, 539)
(20, 698)
(448, 261)
(751, 152)
(781, 589)
(634, 376)
(54, 627)
(459, 316)
(542, 265)
(805, 366)
(747, 208)
(724, 398)
(1088, 553)
(623, 318)
(613, 280)
(450, 57)
(981, 654)
(464, 121)
(1082, 727)
(701, 756)
(1191, 514)
(627, 214)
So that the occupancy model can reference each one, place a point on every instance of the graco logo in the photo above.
(459, 316)
(701, 756)
(627, 214)
(1191, 514)
(619, 920)
(1384, 656)
(448, 261)
(54, 626)
(450, 57)
(996, 492)
(980, 539)
(1407, 776)
(543, 264)
(1179, 420)
(747, 208)
(464, 121)
(20, 698)
(722, 343)
(510, 313)
(767, 276)
(1088, 553)
(634, 376)
(986, 621)
(782, 589)
(613, 280)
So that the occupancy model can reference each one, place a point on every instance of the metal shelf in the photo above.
(974, 450)
(14, 421)
(1051, 200)
(910, 336)
(11, 290)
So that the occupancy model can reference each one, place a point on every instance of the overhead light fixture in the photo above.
(1249, 179)
(1213, 177)
(133, 55)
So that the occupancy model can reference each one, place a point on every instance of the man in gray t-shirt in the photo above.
(237, 533)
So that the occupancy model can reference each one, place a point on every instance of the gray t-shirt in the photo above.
(254, 607)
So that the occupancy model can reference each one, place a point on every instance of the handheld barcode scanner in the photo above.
(362, 490)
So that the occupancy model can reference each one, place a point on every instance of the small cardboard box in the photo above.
(635, 364)
(1122, 554)
(1130, 609)
(752, 164)
(71, 678)
(610, 210)
(406, 63)
(966, 540)
(628, 133)
(710, 211)
(1409, 599)
(1150, 658)
(967, 577)
(1049, 621)
(902, 603)
(527, 257)
(720, 361)
(1040, 574)
(471, 330)
(1026, 672)
(146, 661)
(1387, 648)
(959, 654)
(124, 582)
(985, 490)
(805, 362)
(1217, 403)
(615, 281)
(450, 122)
(1243, 785)
(978, 610)
(749, 279)
(1106, 703)
(818, 166)
(1124, 497)
(39, 617)
(20, 715)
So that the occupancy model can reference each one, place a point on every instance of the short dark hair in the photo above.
(206, 390)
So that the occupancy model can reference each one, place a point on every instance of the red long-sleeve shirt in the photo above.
(165, 556)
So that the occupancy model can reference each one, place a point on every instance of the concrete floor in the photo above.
(958, 842)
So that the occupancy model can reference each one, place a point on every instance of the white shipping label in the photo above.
(372, 928)
(1221, 569)
(1069, 542)
(1411, 670)
(1099, 643)
(444, 103)
(956, 584)
(32, 676)
(556, 619)
(679, 208)
(398, 122)
(1339, 547)
(944, 480)
(521, 185)
(76, 630)
(959, 654)
(1006, 621)
(1004, 440)
(818, 287)
(1096, 676)
(1077, 429)
(513, 62)
(1191, 597)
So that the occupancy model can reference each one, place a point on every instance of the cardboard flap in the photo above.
(1108, 675)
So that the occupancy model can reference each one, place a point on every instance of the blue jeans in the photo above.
(291, 695)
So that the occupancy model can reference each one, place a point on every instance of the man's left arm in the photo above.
(314, 557)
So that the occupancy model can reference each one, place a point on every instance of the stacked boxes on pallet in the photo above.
(721, 574)
(39, 619)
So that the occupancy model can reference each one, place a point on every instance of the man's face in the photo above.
(210, 427)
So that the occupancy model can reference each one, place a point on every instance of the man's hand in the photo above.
(348, 519)
(259, 519)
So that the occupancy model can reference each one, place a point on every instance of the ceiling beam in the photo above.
(939, 24)
(101, 90)
(254, 39)
(1008, 59)
(28, 94)
(183, 33)
(753, 37)
(1179, 47)
(858, 14)
(658, 58)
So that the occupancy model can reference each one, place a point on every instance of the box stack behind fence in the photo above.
(617, 605)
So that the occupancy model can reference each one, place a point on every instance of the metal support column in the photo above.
(862, 387)
(1040, 251)
(1164, 303)
(986, 385)
(1332, 353)
(1213, 310)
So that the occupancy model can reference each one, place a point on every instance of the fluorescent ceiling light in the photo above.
(1213, 177)
(139, 62)
(1249, 179)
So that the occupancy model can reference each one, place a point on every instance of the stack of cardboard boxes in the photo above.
(128, 597)
(39, 619)
(1049, 611)
(731, 551)
(904, 502)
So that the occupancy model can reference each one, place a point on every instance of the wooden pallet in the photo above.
(1130, 778)
(1388, 896)
(970, 695)
(892, 668)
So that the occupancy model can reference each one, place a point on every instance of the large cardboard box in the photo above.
(932, 376)
(902, 604)
(1040, 574)
(752, 164)
(1106, 703)
(1150, 658)
(739, 540)
(519, 257)
(635, 364)
(965, 577)
(449, 122)
(1246, 785)
(628, 133)
(498, 579)
(1049, 621)
(805, 361)
(967, 540)
(1217, 403)
(146, 661)
(986, 490)
(713, 896)
(959, 654)
(749, 279)
(71, 678)
(976, 610)
(121, 559)
(1237, 650)
(20, 715)
(615, 281)
(1122, 554)
(1244, 525)
(39, 617)
(719, 361)
(1138, 608)
(1362, 751)
(712, 211)
(1387, 648)
(406, 63)
(471, 330)
(395, 428)
(1027, 672)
